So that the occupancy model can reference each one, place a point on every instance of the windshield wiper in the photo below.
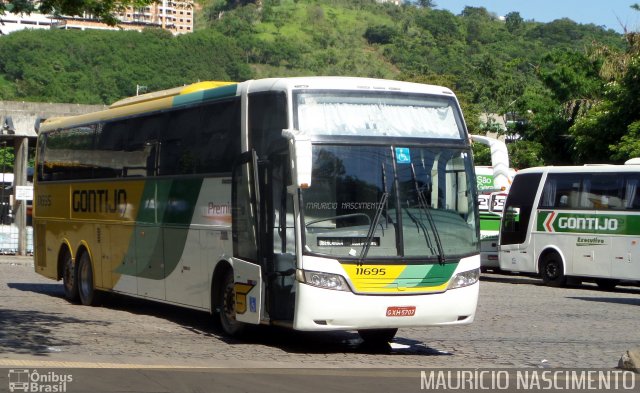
(372, 226)
(422, 202)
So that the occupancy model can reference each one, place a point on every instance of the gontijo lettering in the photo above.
(596, 223)
(98, 201)
(553, 221)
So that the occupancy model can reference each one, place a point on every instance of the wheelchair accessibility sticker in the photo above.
(403, 155)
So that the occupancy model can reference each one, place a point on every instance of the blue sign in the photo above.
(252, 304)
(403, 155)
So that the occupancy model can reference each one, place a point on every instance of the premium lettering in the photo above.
(98, 201)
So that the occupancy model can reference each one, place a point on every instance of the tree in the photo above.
(379, 34)
(426, 3)
(525, 154)
(7, 158)
(514, 22)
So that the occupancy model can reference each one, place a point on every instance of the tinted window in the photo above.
(562, 190)
(631, 192)
(203, 139)
(267, 119)
(585, 191)
(127, 148)
(65, 153)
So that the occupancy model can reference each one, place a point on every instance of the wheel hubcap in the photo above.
(552, 270)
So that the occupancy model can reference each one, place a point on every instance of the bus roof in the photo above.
(209, 90)
(592, 168)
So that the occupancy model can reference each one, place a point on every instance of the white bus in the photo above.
(578, 222)
(318, 203)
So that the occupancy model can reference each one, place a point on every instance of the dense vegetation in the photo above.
(570, 91)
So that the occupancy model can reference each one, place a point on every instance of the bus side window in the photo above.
(562, 191)
(606, 191)
(201, 140)
(631, 192)
(109, 152)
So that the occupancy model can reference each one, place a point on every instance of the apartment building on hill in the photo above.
(176, 16)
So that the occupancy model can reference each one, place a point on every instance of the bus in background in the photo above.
(574, 222)
(320, 203)
(493, 183)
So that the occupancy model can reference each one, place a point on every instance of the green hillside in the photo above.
(495, 65)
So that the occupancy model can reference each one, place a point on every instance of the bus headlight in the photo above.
(464, 279)
(323, 280)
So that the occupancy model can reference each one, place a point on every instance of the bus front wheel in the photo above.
(552, 271)
(69, 279)
(227, 307)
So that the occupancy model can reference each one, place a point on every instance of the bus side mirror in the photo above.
(301, 157)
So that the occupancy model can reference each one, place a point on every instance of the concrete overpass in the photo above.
(18, 125)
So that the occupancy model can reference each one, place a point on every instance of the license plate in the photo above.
(401, 311)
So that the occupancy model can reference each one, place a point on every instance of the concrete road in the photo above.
(520, 325)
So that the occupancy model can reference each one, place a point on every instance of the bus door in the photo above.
(515, 255)
(279, 241)
(245, 230)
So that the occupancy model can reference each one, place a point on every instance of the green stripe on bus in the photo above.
(206, 95)
(605, 224)
(161, 231)
(415, 276)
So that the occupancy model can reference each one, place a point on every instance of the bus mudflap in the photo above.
(248, 288)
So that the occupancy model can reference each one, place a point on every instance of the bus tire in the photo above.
(552, 271)
(86, 287)
(377, 336)
(227, 307)
(69, 278)
(607, 284)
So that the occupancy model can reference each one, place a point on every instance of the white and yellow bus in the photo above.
(320, 203)
(578, 222)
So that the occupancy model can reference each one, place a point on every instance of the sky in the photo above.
(613, 14)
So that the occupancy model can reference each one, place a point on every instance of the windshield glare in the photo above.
(377, 114)
(429, 193)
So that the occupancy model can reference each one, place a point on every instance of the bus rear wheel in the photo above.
(86, 288)
(377, 336)
(552, 271)
(69, 278)
(227, 307)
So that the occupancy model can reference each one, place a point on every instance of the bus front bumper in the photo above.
(320, 309)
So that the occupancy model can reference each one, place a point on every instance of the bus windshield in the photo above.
(394, 201)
